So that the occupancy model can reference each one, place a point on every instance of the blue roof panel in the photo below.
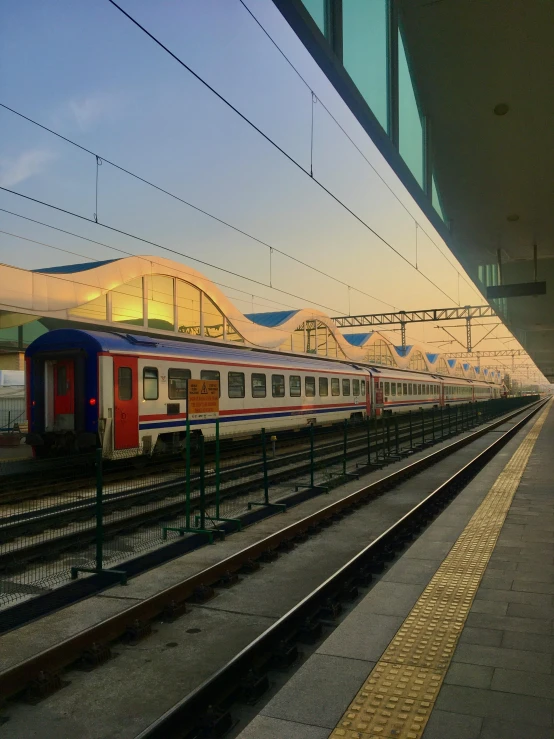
(272, 318)
(357, 339)
(432, 357)
(71, 268)
(451, 362)
(403, 351)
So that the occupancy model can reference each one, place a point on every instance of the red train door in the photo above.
(64, 394)
(126, 417)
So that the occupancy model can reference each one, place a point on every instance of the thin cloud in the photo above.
(89, 110)
(28, 164)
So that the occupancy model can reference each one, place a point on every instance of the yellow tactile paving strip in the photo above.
(398, 696)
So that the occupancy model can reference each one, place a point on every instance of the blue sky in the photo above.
(84, 70)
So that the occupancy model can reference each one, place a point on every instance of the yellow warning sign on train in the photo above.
(203, 398)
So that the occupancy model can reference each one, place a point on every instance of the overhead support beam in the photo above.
(497, 353)
(516, 290)
(415, 316)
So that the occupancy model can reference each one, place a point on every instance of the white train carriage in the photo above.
(129, 392)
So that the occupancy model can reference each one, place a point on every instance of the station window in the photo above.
(409, 389)
(399, 388)
(211, 375)
(258, 385)
(323, 387)
(387, 388)
(235, 384)
(177, 383)
(150, 383)
(278, 386)
(419, 389)
(335, 386)
(125, 383)
(393, 389)
(355, 387)
(363, 388)
(295, 386)
(405, 389)
(309, 384)
(346, 387)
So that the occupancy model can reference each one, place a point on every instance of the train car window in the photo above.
(335, 386)
(387, 388)
(393, 388)
(235, 384)
(405, 389)
(355, 387)
(309, 384)
(346, 387)
(409, 389)
(177, 383)
(323, 387)
(278, 386)
(399, 388)
(61, 385)
(125, 383)
(363, 388)
(150, 383)
(258, 385)
(419, 389)
(295, 386)
(211, 375)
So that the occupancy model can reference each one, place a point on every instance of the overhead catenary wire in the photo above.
(104, 160)
(161, 246)
(276, 146)
(354, 144)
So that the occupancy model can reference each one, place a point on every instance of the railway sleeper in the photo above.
(136, 632)
(97, 654)
(174, 610)
(250, 566)
(252, 687)
(43, 685)
(310, 631)
(227, 580)
(203, 593)
(214, 724)
(285, 655)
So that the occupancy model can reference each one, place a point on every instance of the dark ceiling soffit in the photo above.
(307, 31)
(516, 290)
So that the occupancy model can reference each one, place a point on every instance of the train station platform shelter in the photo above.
(457, 98)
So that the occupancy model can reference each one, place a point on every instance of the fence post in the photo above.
(396, 439)
(202, 482)
(99, 510)
(345, 446)
(187, 473)
(312, 484)
(264, 458)
(411, 432)
(368, 431)
(388, 436)
(433, 423)
(422, 426)
(442, 420)
(217, 471)
(456, 419)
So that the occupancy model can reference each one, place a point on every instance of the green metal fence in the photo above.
(72, 516)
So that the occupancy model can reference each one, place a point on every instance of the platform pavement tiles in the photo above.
(398, 696)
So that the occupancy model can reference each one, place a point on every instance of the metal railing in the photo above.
(69, 515)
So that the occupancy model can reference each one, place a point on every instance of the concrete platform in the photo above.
(500, 681)
(160, 670)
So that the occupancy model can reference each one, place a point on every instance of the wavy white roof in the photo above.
(54, 292)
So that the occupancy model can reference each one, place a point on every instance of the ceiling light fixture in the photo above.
(501, 108)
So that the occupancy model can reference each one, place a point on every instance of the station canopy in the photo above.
(159, 297)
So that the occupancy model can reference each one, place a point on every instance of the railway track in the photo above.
(208, 705)
(147, 505)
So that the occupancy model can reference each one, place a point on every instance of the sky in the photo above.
(85, 71)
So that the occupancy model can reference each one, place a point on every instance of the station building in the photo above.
(157, 296)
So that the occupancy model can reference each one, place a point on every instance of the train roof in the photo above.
(95, 342)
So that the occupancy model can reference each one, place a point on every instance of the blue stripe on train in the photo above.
(247, 417)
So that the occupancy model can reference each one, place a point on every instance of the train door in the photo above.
(64, 395)
(126, 419)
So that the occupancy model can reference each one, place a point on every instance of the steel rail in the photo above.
(17, 678)
(195, 713)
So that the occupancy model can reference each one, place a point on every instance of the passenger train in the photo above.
(128, 392)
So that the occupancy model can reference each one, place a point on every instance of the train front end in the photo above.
(62, 393)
